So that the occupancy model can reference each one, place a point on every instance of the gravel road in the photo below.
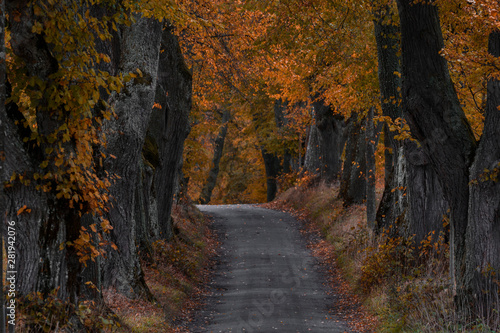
(266, 279)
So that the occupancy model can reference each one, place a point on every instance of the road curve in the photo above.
(266, 279)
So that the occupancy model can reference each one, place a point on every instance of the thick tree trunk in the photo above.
(392, 207)
(147, 230)
(125, 139)
(273, 168)
(169, 125)
(436, 119)
(312, 160)
(49, 221)
(330, 128)
(389, 68)
(27, 226)
(412, 202)
(427, 206)
(353, 180)
(206, 192)
(483, 232)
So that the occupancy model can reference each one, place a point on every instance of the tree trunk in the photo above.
(27, 226)
(353, 180)
(483, 232)
(281, 123)
(393, 205)
(206, 192)
(147, 230)
(49, 221)
(413, 202)
(436, 119)
(312, 160)
(273, 168)
(427, 206)
(330, 128)
(170, 124)
(125, 139)
(3, 222)
(371, 144)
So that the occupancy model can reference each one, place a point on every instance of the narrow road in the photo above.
(266, 279)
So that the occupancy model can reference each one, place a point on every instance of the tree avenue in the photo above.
(114, 111)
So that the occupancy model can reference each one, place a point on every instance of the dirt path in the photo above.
(266, 279)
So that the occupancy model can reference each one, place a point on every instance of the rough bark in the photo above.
(3, 76)
(483, 232)
(388, 47)
(370, 137)
(125, 139)
(392, 206)
(16, 159)
(206, 192)
(413, 203)
(353, 180)
(330, 128)
(169, 125)
(312, 160)
(147, 230)
(436, 119)
(50, 221)
(427, 206)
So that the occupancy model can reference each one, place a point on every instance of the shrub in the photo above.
(39, 313)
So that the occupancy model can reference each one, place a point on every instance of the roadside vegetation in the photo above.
(405, 286)
(174, 273)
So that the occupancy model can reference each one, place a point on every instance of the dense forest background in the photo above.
(114, 113)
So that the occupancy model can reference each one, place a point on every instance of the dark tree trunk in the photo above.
(413, 202)
(206, 192)
(330, 128)
(436, 119)
(389, 158)
(371, 144)
(281, 123)
(353, 180)
(273, 168)
(392, 207)
(125, 139)
(169, 126)
(27, 226)
(49, 220)
(147, 228)
(387, 38)
(483, 232)
(3, 222)
(312, 160)
(427, 206)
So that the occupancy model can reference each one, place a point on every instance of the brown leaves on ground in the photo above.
(177, 292)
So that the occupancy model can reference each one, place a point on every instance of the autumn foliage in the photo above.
(271, 66)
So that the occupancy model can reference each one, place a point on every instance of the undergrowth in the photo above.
(173, 275)
(406, 285)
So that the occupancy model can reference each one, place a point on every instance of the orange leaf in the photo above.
(21, 210)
